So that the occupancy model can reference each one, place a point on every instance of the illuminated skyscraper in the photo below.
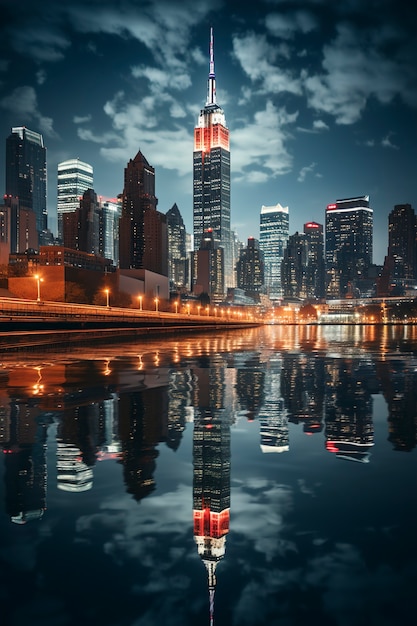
(315, 275)
(74, 178)
(250, 269)
(274, 232)
(211, 175)
(178, 261)
(110, 215)
(26, 173)
(349, 225)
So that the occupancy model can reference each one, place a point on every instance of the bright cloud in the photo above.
(23, 103)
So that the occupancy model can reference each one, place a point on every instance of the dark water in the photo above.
(260, 477)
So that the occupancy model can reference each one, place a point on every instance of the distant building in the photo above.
(273, 239)
(110, 211)
(208, 268)
(138, 198)
(211, 175)
(349, 240)
(26, 173)
(250, 269)
(294, 267)
(74, 178)
(81, 228)
(178, 259)
(315, 272)
(18, 231)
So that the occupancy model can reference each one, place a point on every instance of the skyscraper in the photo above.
(349, 224)
(402, 247)
(250, 269)
(211, 174)
(138, 197)
(274, 232)
(74, 177)
(315, 274)
(294, 267)
(178, 261)
(26, 173)
(110, 216)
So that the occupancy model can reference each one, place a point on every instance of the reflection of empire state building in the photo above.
(211, 486)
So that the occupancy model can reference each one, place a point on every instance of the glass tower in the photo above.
(211, 174)
(274, 232)
(26, 172)
(349, 225)
(74, 178)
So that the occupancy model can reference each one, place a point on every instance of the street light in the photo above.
(176, 306)
(39, 280)
(156, 304)
(140, 302)
(107, 292)
(198, 309)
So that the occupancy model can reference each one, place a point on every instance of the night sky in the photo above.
(320, 97)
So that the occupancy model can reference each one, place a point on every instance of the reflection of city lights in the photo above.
(140, 366)
(38, 387)
(107, 369)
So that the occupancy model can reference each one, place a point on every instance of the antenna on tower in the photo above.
(211, 90)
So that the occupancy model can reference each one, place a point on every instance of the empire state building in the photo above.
(211, 175)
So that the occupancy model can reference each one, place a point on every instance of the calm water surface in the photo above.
(258, 477)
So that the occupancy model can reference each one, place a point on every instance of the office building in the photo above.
(178, 260)
(18, 231)
(208, 269)
(294, 267)
(138, 198)
(26, 173)
(110, 211)
(273, 239)
(349, 224)
(315, 272)
(211, 175)
(402, 247)
(74, 178)
(250, 269)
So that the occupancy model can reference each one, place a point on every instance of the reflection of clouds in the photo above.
(257, 510)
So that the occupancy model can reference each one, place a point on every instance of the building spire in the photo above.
(211, 87)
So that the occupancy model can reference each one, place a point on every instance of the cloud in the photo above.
(285, 26)
(354, 71)
(81, 119)
(267, 136)
(306, 170)
(40, 76)
(387, 143)
(258, 60)
(23, 103)
(39, 41)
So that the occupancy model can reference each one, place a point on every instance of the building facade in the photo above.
(74, 178)
(349, 241)
(26, 173)
(274, 232)
(178, 260)
(402, 238)
(138, 198)
(294, 267)
(315, 273)
(211, 174)
(250, 269)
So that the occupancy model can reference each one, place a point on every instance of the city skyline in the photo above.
(320, 99)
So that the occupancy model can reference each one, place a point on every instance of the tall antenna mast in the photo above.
(211, 89)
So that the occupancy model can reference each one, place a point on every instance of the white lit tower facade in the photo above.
(74, 178)
(273, 238)
(349, 241)
(211, 175)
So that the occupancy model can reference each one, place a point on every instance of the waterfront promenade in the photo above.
(29, 323)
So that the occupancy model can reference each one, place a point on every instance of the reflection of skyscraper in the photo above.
(211, 484)
(72, 473)
(25, 466)
(250, 379)
(273, 416)
(211, 175)
(142, 426)
(349, 427)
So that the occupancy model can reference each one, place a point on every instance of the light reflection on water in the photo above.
(264, 476)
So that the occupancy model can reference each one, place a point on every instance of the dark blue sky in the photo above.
(320, 97)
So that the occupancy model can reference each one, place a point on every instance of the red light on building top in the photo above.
(312, 224)
(330, 207)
